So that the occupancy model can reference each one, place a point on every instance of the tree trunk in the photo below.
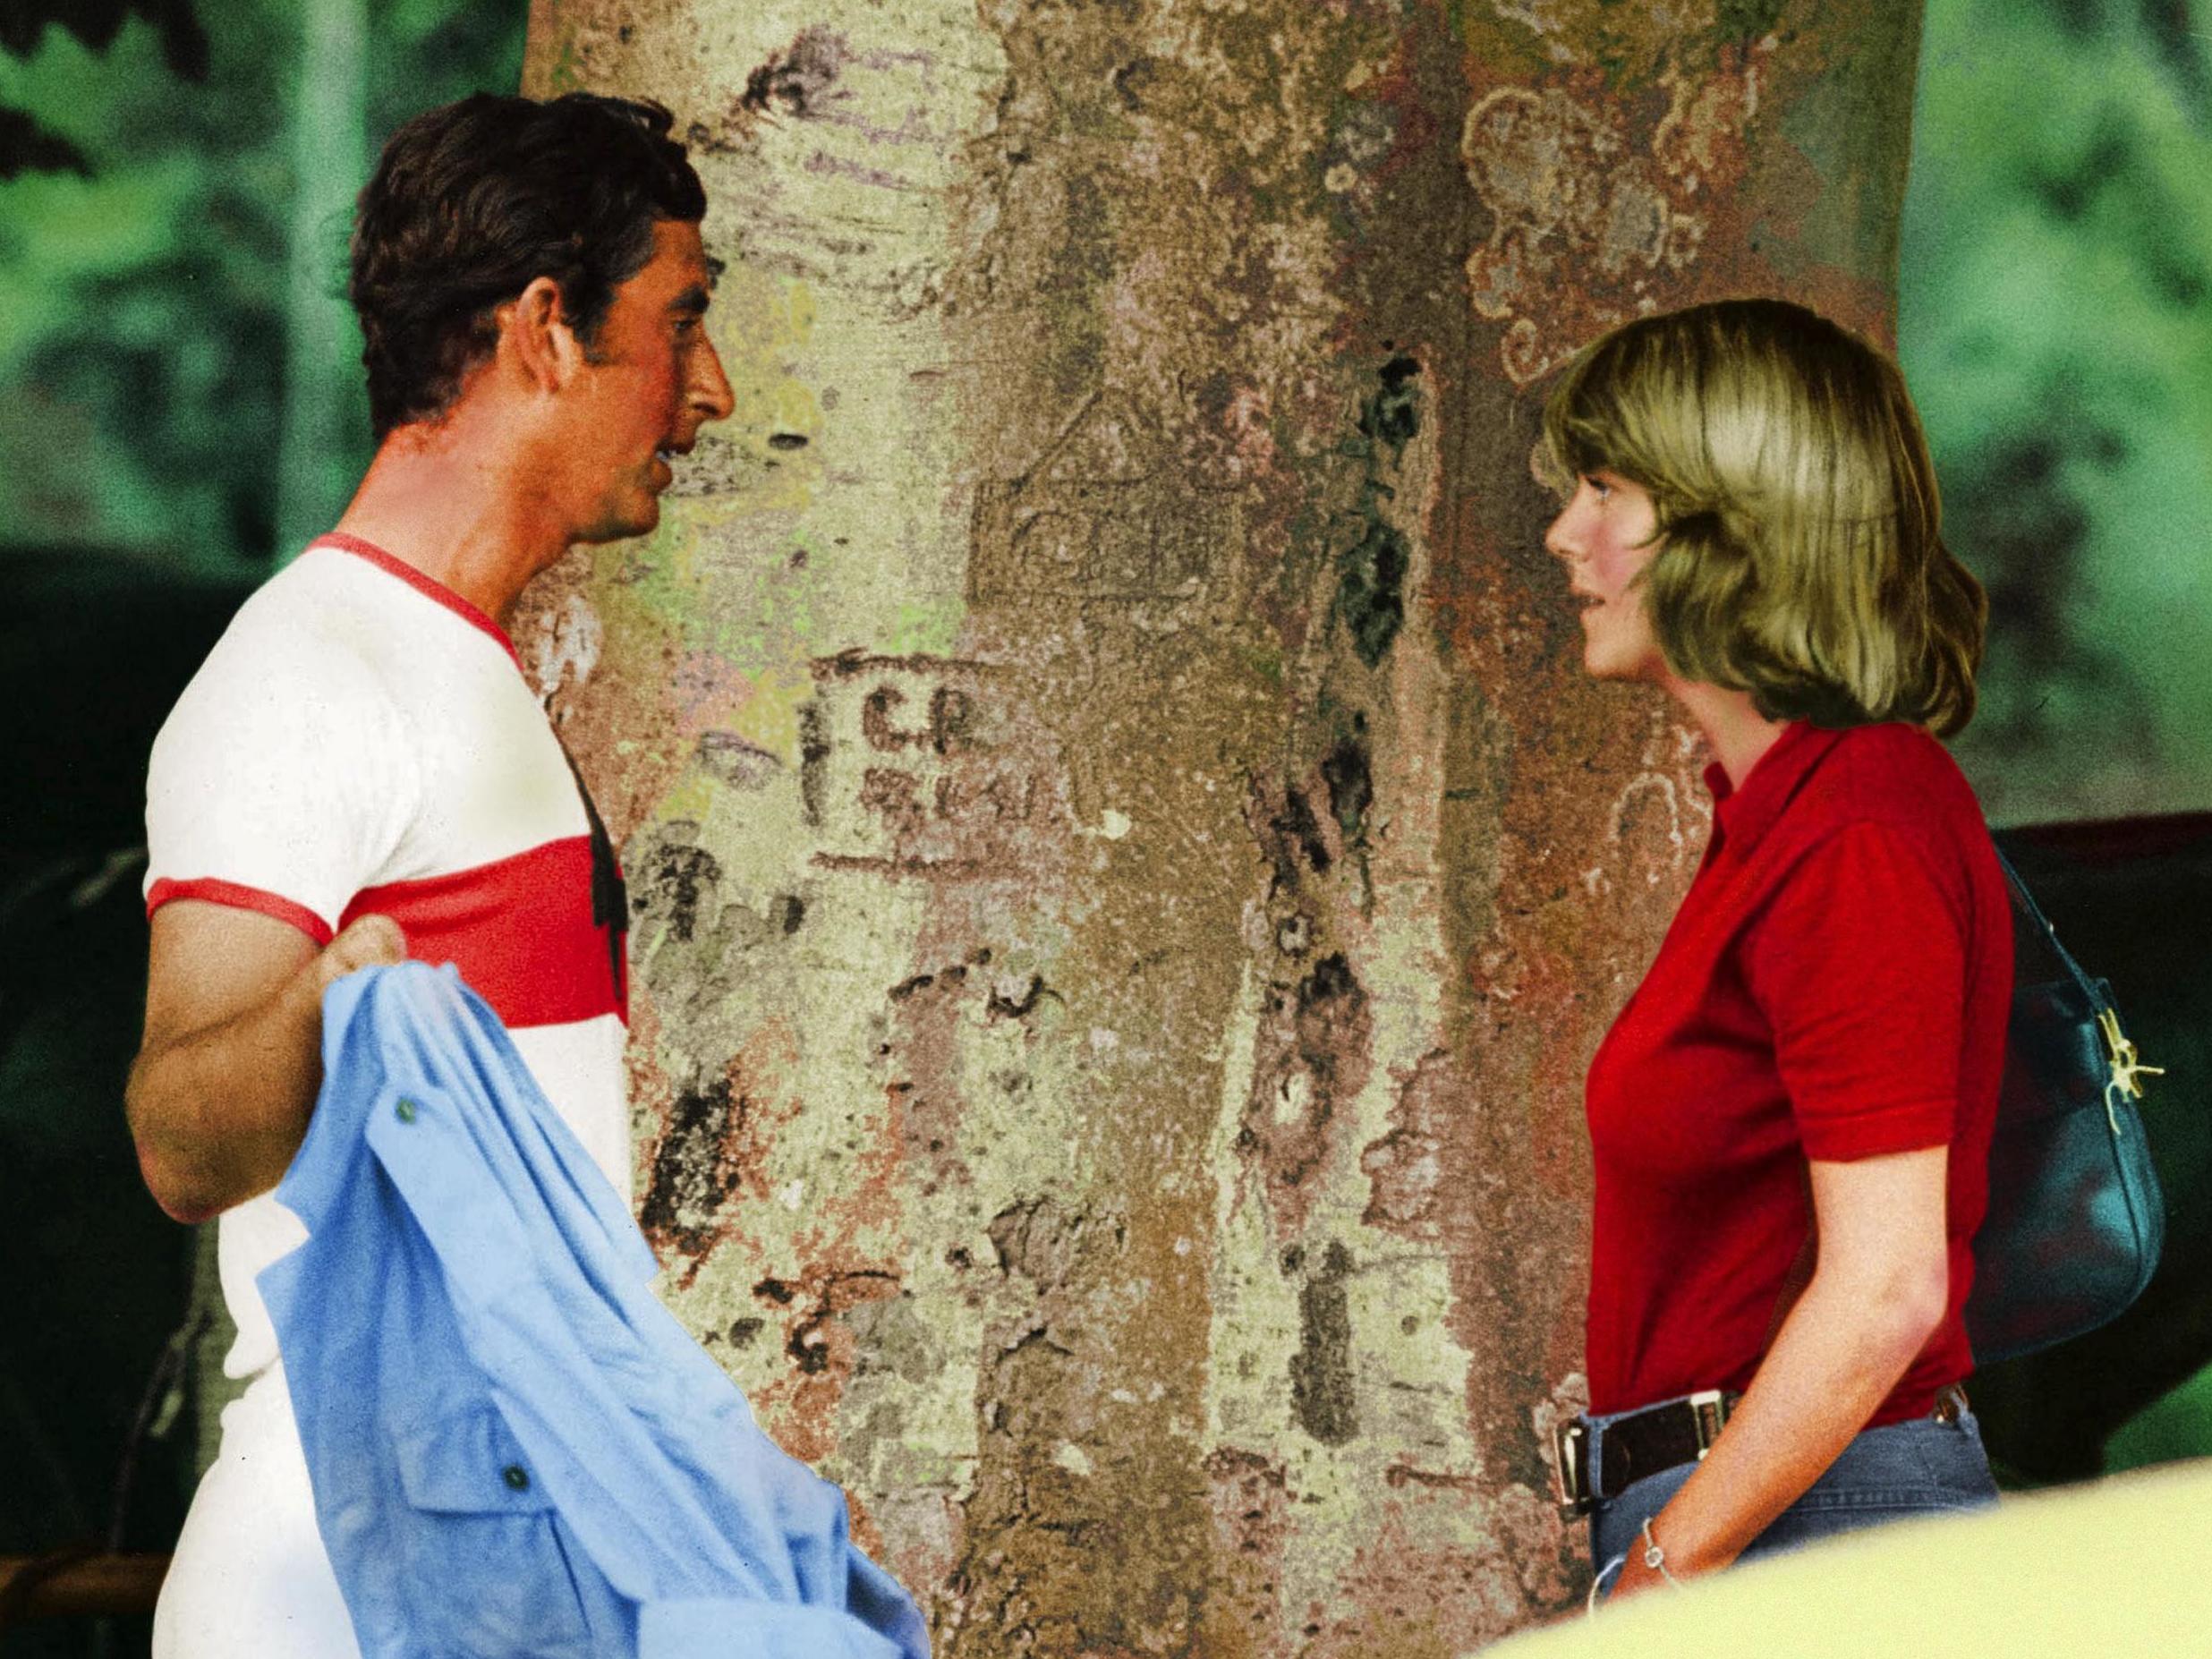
(315, 461)
(1130, 873)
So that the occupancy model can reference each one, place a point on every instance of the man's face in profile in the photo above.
(651, 379)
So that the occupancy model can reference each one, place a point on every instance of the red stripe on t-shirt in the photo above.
(239, 897)
(429, 587)
(520, 930)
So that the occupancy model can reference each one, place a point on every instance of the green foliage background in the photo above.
(142, 312)
(2055, 323)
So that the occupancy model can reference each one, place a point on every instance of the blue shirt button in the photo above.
(516, 1476)
(404, 1111)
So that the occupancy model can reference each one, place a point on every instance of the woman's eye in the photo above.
(1598, 486)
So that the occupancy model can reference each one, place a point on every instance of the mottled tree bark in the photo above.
(1129, 873)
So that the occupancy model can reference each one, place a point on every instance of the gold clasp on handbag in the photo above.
(2126, 1067)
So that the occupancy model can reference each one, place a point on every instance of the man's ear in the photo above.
(533, 327)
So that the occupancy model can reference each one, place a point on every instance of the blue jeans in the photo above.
(1920, 1467)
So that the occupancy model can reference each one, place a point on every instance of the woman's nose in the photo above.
(1555, 536)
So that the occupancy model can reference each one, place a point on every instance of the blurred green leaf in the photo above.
(2055, 322)
(143, 311)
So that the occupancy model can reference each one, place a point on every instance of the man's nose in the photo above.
(709, 389)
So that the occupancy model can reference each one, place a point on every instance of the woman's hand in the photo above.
(1634, 1577)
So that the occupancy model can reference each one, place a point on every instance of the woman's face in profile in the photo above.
(1605, 536)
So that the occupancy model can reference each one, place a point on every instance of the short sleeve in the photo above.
(1858, 963)
(280, 783)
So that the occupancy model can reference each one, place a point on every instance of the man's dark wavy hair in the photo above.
(472, 202)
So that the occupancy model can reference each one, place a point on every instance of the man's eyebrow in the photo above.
(693, 300)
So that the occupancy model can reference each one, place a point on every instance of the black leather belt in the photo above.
(1659, 1437)
(1644, 1442)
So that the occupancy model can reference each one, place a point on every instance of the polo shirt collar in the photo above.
(1744, 814)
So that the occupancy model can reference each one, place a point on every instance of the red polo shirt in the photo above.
(1835, 986)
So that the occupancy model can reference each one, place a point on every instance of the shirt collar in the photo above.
(429, 587)
(1745, 813)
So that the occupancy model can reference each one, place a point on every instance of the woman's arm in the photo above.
(1879, 1289)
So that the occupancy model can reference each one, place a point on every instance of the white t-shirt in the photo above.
(363, 740)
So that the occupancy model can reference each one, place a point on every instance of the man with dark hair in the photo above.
(472, 202)
(360, 772)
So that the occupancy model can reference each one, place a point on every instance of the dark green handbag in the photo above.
(2076, 1219)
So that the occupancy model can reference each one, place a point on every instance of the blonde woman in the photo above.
(1790, 1118)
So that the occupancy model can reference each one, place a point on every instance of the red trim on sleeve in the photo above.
(519, 928)
(239, 897)
(429, 587)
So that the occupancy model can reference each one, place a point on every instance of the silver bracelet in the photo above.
(1655, 1558)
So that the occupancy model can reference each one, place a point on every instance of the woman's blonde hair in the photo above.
(1801, 555)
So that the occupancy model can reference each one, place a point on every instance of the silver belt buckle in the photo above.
(1708, 1414)
(1571, 1468)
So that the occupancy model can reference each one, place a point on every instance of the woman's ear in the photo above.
(534, 331)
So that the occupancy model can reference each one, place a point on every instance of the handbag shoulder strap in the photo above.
(2121, 1054)
(2024, 902)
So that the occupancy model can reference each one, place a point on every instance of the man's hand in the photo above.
(369, 941)
(231, 1062)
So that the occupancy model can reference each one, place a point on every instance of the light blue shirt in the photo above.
(515, 1449)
